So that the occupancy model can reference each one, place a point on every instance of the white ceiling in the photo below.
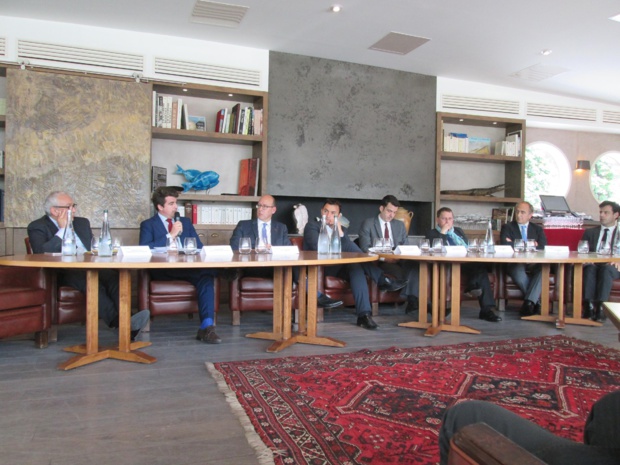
(474, 40)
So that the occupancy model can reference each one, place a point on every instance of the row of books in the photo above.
(511, 147)
(174, 114)
(459, 142)
(216, 214)
(237, 120)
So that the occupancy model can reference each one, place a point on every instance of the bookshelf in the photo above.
(210, 150)
(483, 170)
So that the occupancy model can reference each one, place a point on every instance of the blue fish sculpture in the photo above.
(199, 181)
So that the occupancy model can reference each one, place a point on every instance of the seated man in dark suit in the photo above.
(382, 226)
(527, 278)
(597, 278)
(272, 233)
(155, 231)
(478, 284)
(45, 236)
(601, 435)
(355, 272)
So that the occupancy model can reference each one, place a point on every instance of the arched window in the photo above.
(604, 177)
(547, 171)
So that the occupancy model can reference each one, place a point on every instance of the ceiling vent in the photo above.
(611, 117)
(218, 14)
(458, 102)
(2, 46)
(538, 72)
(562, 112)
(398, 43)
(79, 55)
(205, 71)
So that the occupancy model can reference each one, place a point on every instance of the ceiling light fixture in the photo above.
(546, 52)
(615, 18)
(335, 9)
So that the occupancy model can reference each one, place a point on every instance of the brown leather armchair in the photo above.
(25, 303)
(479, 444)
(170, 297)
(510, 291)
(68, 305)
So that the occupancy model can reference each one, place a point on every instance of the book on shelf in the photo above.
(175, 110)
(221, 214)
(456, 142)
(197, 123)
(234, 118)
(248, 176)
(185, 117)
(177, 121)
(479, 145)
(158, 177)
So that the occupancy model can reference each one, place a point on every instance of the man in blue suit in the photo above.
(273, 233)
(155, 231)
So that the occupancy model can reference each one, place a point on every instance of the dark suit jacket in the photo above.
(434, 234)
(249, 228)
(371, 230)
(311, 238)
(153, 232)
(592, 234)
(42, 234)
(511, 231)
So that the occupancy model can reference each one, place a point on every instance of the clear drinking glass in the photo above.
(117, 242)
(583, 247)
(189, 245)
(378, 245)
(172, 246)
(94, 245)
(437, 245)
(425, 245)
(519, 246)
(531, 245)
(604, 249)
(261, 246)
(245, 245)
(472, 246)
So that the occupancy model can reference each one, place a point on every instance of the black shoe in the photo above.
(587, 309)
(527, 309)
(412, 306)
(366, 322)
(473, 292)
(390, 285)
(208, 335)
(599, 313)
(489, 315)
(325, 302)
(538, 308)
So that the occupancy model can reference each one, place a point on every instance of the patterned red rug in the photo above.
(386, 407)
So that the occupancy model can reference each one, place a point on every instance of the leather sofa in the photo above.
(25, 303)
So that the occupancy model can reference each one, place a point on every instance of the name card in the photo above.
(279, 251)
(557, 251)
(135, 250)
(504, 251)
(216, 251)
(407, 250)
(456, 250)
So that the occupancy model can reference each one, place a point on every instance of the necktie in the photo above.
(386, 233)
(604, 239)
(264, 233)
(524, 232)
(169, 220)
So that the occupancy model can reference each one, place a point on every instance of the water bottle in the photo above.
(69, 246)
(335, 245)
(323, 244)
(105, 240)
(489, 244)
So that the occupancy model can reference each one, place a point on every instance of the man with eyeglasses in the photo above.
(383, 227)
(272, 233)
(155, 232)
(355, 273)
(45, 236)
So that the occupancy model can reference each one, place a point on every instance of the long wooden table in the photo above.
(126, 350)
(441, 262)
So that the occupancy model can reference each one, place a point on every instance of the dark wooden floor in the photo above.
(171, 412)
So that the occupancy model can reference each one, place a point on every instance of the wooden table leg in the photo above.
(278, 309)
(434, 328)
(422, 322)
(310, 337)
(89, 353)
(576, 318)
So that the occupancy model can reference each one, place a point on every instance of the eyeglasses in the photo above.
(263, 207)
(73, 205)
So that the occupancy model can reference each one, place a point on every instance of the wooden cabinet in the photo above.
(461, 171)
(210, 150)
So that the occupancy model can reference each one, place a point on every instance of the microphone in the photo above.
(177, 216)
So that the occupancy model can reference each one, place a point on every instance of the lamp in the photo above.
(583, 165)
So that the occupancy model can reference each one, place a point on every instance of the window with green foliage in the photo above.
(604, 176)
(547, 171)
